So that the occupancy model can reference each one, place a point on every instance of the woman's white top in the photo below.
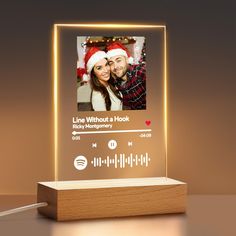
(98, 101)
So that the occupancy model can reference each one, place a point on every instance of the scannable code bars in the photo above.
(121, 161)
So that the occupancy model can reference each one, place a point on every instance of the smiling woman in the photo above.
(104, 96)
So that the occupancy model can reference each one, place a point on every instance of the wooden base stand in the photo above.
(86, 199)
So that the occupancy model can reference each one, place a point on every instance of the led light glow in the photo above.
(56, 76)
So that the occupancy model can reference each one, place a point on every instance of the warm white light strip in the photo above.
(165, 98)
(55, 100)
(110, 25)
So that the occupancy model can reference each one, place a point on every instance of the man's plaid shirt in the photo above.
(134, 89)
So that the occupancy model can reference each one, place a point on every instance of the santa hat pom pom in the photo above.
(86, 77)
(131, 60)
(80, 72)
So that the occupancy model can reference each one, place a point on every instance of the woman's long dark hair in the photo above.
(98, 86)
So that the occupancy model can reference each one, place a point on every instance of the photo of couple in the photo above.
(108, 77)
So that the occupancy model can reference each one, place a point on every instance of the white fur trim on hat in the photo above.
(96, 57)
(131, 60)
(86, 77)
(116, 52)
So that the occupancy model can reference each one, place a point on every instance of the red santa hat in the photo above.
(82, 73)
(93, 56)
(118, 49)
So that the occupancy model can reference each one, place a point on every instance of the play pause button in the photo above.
(112, 144)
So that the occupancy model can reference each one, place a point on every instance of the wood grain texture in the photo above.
(72, 200)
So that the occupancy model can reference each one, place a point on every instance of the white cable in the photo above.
(24, 208)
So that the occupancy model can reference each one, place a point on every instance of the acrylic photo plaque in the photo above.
(110, 101)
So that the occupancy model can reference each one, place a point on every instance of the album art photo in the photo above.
(111, 73)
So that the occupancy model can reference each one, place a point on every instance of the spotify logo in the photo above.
(80, 162)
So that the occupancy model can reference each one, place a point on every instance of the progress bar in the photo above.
(112, 131)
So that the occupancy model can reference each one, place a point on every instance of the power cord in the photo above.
(24, 208)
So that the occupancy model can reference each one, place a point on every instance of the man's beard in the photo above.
(120, 77)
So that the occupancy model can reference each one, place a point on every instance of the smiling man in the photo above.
(129, 79)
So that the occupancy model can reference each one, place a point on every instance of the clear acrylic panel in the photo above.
(127, 143)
